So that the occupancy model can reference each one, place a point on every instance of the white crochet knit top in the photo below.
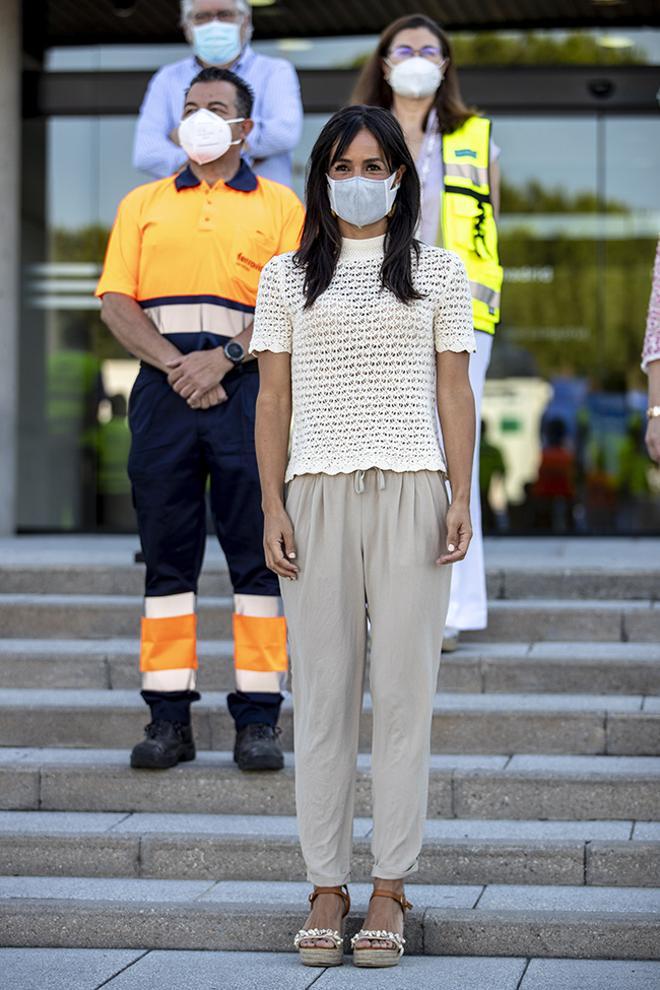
(363, 371)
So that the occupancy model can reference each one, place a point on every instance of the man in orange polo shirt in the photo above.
(179, 288)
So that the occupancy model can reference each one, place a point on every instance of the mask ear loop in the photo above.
(390, 212)
(328, 187)
(242, 143)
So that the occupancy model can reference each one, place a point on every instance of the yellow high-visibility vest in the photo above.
(467, 220)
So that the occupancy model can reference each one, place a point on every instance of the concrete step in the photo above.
(578, 922)
(260, 847)
(68, 616)
(113, 664)
(577, 667)
(462, 723)
(539, 619)
(80, 575)
(140, 969)
(599, 583)
(87, 578)
(96, 616)
(521, 787)
(552, 667)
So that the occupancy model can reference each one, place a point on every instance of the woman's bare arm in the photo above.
(456, 409)
(272, 443)
(653, 428)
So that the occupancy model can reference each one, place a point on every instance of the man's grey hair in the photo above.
(187, 9)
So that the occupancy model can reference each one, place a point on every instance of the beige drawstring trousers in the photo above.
(366, 544)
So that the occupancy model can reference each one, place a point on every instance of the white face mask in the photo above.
(362, 201)
(415, 77)
(205, 137)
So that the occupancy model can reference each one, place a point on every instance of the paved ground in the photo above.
(560, 552)
(116, 969)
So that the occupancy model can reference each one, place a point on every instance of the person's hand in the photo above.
(214, 397)
(279, 544)
(459, 533)
(193, 375)
(653, 439)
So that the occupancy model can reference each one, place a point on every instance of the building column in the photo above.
(10, 156)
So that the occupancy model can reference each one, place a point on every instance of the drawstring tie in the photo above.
(358, 480)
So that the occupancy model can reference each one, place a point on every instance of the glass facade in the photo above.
(562, 450)
(565, 397)
(75, 379)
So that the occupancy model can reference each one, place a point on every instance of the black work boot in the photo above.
(258, 748)
(166, 744)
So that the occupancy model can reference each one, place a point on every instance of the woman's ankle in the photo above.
(396, 886)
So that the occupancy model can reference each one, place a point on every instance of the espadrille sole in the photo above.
(321, 957)
(376, 958)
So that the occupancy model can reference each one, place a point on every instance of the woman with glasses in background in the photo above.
(412, 73)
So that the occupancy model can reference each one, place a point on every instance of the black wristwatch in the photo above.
(234, 352)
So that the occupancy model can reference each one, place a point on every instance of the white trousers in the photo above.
(467, 601)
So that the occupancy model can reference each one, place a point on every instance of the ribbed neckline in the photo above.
(353, 248)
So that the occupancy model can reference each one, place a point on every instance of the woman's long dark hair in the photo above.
(321, 240)
(373, 88)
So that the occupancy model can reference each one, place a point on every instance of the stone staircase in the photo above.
(543, 837)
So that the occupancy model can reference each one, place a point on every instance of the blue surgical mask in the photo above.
(217, 44)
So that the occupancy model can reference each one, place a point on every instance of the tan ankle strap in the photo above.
(399, 898)
(339, 891)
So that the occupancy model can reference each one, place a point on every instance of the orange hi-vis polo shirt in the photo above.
(191, 254)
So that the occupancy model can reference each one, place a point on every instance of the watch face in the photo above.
(234, 351)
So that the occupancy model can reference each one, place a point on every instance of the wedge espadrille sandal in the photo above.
(385, 956)
(323, 955)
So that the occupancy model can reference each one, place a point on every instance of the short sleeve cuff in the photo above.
(274, 346)
(649, 359)
(457, 346)
(108, 285)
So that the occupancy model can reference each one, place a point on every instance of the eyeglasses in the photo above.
(220, 15)
(432, 52)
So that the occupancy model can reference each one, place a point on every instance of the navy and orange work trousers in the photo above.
(176, 453)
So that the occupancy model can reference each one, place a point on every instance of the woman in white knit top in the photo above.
(362, 335)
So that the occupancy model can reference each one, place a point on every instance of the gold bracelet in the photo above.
(653, 412)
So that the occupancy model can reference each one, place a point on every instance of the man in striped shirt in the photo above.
(179, 288)
(219, 32)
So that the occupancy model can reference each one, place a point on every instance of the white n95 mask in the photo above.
(362, 201)
(415, 77)
(205, 137)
